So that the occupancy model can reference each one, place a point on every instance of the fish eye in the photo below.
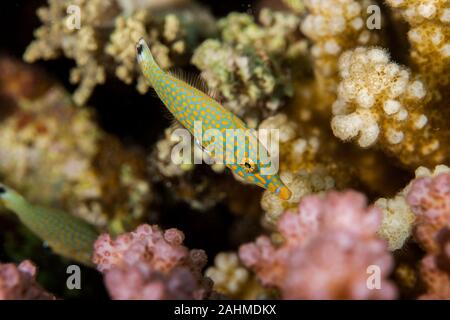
(249, 166)
(2, 190)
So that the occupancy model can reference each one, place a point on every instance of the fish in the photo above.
(190, 105)
(64, 233)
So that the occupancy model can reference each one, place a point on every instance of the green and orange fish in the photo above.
(190, 105)
(65, 234)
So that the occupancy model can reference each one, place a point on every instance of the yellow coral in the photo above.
(398, 218)
(301, 184)
(429, 36)
(335, 26)
(228, 275)
(57, 156)
(80, 44)
(380, 102)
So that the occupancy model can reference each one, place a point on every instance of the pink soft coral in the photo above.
(19, 282)
(328, 246)
(151, 264)
(429, 199)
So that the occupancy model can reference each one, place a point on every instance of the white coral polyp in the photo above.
(417, 90)
(395, 3)
(369, 134)
(347, 126)
(426, 10)
(445, 16)
(391, 107)
(378, 55)
(445, 51)
(421, 122)
(365, 99)
(394, 136)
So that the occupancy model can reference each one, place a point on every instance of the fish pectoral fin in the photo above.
(174, 123)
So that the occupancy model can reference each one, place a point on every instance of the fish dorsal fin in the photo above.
(194, 80)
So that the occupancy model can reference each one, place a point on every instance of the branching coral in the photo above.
(382, 103)
(149, 263)
(171, 39)
(429, 199)
(301, 184)
(228, 276)
(80, 45)
(295, 5)
(97, 42)
(398, 217)
(249, 65)
(311, 160)
(19, 282)
(170, 163)
(186, 183)
(335, 229)
(299, 148)
(56, 155)
(334, 27)
(429, 36)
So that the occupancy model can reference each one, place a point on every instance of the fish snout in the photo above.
(283, 193)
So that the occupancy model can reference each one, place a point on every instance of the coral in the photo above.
(98, 42)
(248, 66)
(56, 155)
(381, 103)
(295, 5)
(169, 39)
(397, 220)
(185, 181)
(170, 164)
(335, 229)
(312, 160)
(335, 26)
(398, 217)
(19, 282)
(149, 263)
(300, 144)
(307, 143)
(300, 169)
(233, 280)
(137, 284)
(301, 184)
(429, 199)
(228, 276)
(429, 36)
(81, 44)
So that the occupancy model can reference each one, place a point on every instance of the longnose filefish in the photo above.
(66, 235)
(190, 105)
